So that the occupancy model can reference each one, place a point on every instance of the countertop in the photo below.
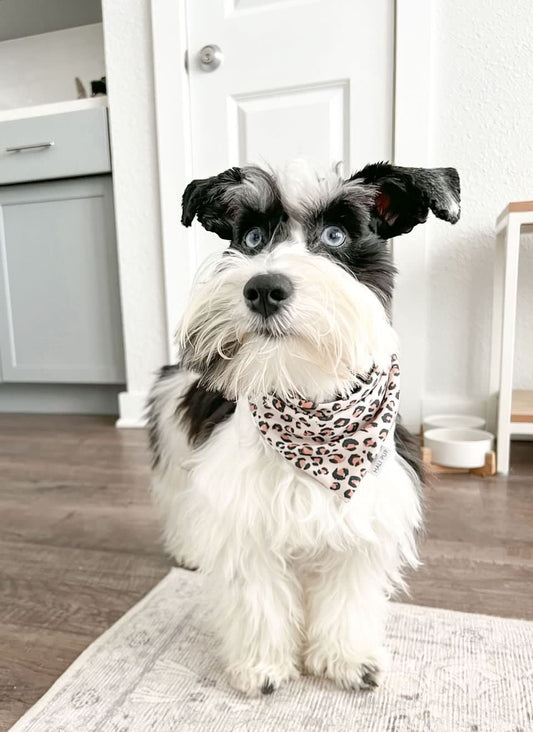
(39, 110)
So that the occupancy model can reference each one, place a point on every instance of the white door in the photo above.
(309, 78)
(298, 77)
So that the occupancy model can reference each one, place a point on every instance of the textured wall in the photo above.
(482, 122)
(129, 64)
(41, 69)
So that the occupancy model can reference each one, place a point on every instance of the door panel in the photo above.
(312, 79)
(238, 5)
(274, 127)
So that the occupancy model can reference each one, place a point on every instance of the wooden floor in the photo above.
(79, 544)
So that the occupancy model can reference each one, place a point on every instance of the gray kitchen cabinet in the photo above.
(60, 315)
(54, 146)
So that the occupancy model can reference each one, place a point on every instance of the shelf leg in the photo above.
(510, 282)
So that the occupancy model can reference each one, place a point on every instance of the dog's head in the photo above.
(299, 302)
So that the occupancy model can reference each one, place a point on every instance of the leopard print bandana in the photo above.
(336, 442)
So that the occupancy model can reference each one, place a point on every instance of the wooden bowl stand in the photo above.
(486, 470)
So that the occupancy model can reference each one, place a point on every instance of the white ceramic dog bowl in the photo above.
(453, 421)
(458, 448)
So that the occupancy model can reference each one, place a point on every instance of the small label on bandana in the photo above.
(380, 461)
(337, 442)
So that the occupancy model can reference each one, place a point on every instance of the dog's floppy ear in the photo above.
(209, 200)
(404, 196)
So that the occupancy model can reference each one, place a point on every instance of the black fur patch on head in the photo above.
(206, 199)
(392, 198)
(350, 213)
(201, 410)
(379, 202)
(272, 222)
(363, 253)
(220, 201)
(369, 259)
(404, 196)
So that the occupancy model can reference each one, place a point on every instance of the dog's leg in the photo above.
(346, 611)
(258, 613)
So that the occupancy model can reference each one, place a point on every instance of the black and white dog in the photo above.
(279, 466)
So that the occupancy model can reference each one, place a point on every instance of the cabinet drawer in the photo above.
(54, 146)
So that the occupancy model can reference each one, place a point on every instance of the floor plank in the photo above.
(79, 543)
(30, 661)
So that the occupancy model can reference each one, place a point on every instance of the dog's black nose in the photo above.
(266, 293)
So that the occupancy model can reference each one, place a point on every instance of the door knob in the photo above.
(210, 57)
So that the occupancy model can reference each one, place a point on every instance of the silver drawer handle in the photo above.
(33, 146)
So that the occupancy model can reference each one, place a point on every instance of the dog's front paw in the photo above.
(257, 680)
(360, 671)
(184, 562)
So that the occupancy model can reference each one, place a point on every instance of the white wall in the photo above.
(41, 69)
(20, 18)
(482, 123)
(130, 86)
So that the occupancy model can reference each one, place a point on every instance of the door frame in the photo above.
(410, 145)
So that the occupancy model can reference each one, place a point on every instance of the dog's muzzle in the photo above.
(266, 294)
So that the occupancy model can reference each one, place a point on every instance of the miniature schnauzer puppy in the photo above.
(279, 465)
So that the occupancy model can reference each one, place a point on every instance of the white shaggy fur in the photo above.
(333, 328)
(297, 579)
(296, 576)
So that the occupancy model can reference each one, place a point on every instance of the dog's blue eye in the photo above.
(332, 236)
(253, 238)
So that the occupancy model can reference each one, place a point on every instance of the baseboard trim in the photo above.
(132, 407)
(59, 398)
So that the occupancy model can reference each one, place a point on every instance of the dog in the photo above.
(280, 467)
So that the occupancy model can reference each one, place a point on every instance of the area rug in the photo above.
(157, 669)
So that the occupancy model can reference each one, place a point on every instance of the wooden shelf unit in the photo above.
(511, 412)
(522, 406)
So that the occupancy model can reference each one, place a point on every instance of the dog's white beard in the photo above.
(333, 328)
